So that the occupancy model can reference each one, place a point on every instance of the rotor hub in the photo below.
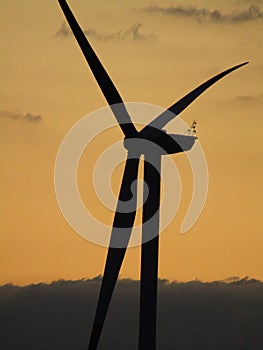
(156, 141)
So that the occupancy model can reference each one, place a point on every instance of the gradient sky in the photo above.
(155, 52)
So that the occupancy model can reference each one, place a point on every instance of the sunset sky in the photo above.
(156, 52)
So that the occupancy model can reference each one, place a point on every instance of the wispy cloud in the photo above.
(192, 315)
(249, 98)
(21, 116)
(245, 98)
(253, 2)
(134, 32)
(253, 12)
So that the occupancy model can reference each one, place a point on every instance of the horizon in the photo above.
(98, 278)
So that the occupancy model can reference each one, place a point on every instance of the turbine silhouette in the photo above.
(152, 142)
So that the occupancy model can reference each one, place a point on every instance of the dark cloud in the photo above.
(253, 12)
(194, 315)
(132, 33)
(21, 116)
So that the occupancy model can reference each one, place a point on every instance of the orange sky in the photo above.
(43, 73)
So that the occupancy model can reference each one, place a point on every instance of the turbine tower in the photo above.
(152, 142)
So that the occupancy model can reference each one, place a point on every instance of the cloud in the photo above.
(253, 2)
(192, 315)
(20, 116)
(245, 98)
(249, 98)
(133, 33)
(63, 31)
(253, 12)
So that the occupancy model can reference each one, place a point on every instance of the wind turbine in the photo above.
(152, 142)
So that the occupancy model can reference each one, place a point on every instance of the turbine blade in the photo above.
(184, 102)
(104, 81)
(121, 232)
